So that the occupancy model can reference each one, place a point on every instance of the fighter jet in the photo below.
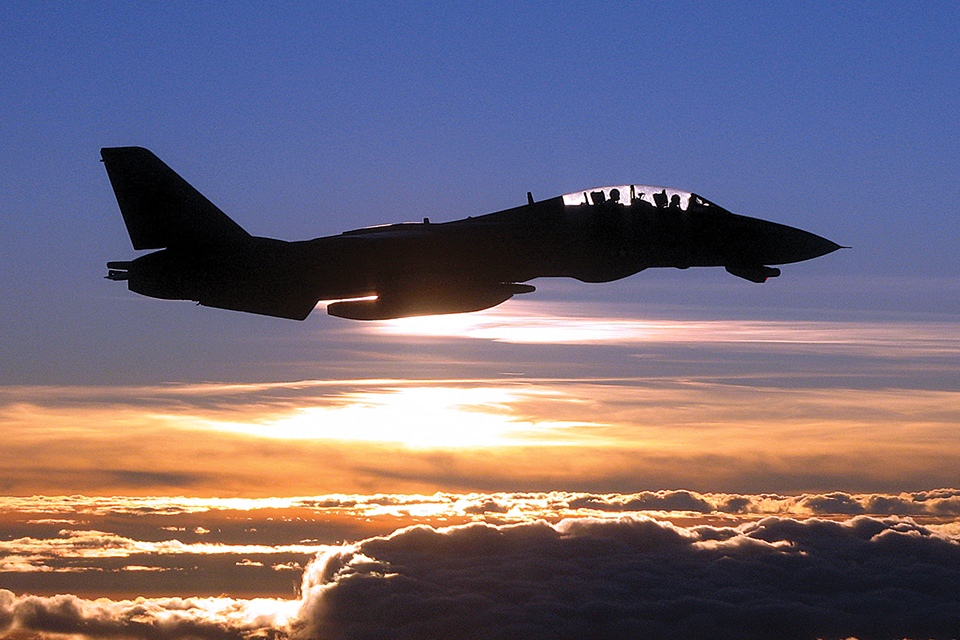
(425, 268)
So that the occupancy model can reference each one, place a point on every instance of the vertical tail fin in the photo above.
(159, 207)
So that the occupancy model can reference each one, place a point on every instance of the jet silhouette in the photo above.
(414, 269)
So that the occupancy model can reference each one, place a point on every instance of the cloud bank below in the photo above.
(614, 574)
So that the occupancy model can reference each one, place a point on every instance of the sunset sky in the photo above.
(839, 378)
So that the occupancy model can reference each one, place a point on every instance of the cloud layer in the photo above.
(543, 396)
(637, 577)
(710, 432)
(627, 576)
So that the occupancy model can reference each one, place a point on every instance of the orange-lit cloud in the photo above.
(430, 435)
(725, 405)
(85, 544)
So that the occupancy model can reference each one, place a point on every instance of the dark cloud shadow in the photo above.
(636, 577)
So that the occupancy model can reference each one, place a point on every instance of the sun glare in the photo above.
(538, 324)
(417, 417)
(501, 325)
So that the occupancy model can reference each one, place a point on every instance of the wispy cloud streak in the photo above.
(540, 324)
(35, 553)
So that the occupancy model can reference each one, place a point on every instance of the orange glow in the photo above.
(378, 435)
(797, 404)
(417, 416)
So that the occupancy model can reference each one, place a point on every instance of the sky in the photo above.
(839, 378)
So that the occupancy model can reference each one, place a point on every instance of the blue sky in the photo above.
(301, 120)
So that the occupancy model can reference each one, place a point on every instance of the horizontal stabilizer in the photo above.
(159, 207)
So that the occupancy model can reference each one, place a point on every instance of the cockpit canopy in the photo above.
(639, 195)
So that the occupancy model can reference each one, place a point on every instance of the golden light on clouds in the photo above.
(427, 435)
(418, 416)
(757, 406)
(123, 559)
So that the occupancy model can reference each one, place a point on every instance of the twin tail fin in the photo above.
(159, 207)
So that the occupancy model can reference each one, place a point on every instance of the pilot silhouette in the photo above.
(661, 199)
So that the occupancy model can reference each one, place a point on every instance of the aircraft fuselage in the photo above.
(425, 268)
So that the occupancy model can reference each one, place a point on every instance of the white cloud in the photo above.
(149, 619)
(33, 553)
(542, 323)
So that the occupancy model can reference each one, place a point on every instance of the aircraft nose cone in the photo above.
(795, 245)
(773, 243)
(821, 246)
